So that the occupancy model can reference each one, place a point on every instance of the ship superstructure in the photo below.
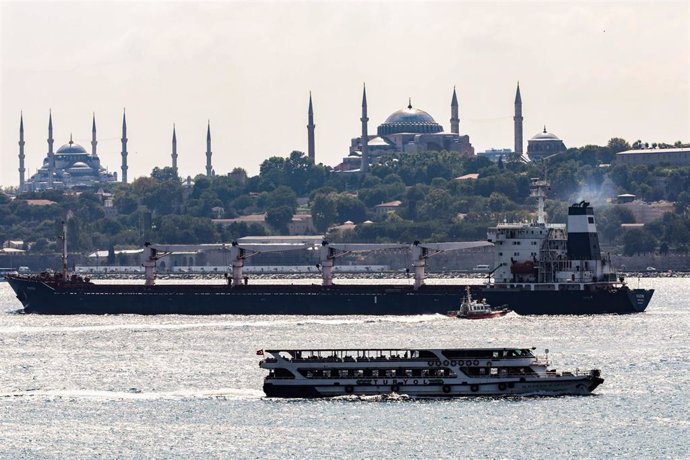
(537, 254)
(551, 254)
(543, 268)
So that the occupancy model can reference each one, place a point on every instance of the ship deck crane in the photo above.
(419, 252)
(422, 251)
(238, 254)
(328, 253)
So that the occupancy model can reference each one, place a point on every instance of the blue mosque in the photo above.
(69, 167)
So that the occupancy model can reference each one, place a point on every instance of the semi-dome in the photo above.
(409, 120)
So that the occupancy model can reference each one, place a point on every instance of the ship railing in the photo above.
(358, 359)
(348, 355)
(574, 373)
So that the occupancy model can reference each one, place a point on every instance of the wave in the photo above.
(216, 324)
(137, 394)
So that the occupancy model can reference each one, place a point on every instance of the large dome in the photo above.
(409, 120)
(544, 135)
(71, 148)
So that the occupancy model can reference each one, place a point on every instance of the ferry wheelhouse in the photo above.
(419, 373)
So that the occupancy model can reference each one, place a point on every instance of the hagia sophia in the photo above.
(409, 130)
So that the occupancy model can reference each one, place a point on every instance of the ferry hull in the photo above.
(85, 298)
(575, 386)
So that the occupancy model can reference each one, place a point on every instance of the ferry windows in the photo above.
(281, 373)
(590, 220)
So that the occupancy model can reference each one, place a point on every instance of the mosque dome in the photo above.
(409, 120)
(544, 135)
(71, 148)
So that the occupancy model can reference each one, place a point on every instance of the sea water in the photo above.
(190, 387)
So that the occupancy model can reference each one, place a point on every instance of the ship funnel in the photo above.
(583, 242)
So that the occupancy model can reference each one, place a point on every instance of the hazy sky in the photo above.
(588, 70)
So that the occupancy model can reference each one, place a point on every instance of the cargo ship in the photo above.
(540, 269)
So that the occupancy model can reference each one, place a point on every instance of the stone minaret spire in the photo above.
(311, 151)
(209, 168)
(51, 154)
(21, 153)
(94, 142)
(365, 135)
(454, 119)
(174, 150)
(124, 147)
(518, 123)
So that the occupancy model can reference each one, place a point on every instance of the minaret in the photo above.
(51, 155)
(124, 147)
(174, 150)
(310, 133)
(94, 142)
(21, 153)
(518, 123)
(365, 136)
(454, 120)
(209, 168)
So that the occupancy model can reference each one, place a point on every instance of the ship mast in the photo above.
(64, 244)
(538, 188)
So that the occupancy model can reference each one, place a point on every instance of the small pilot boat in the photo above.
(475, 309)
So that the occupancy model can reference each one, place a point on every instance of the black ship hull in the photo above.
(581, 302)
(47, 297)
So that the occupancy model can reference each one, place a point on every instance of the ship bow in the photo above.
(639, 298)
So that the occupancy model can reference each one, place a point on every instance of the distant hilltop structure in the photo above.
(544, 144)
(70, 167)
(408, 130)
(677, 156)
(539, 146)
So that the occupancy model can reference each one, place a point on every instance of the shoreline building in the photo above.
(408, 130)
(70, 167)
(677, 156)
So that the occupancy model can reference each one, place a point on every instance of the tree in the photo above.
(324, 211)
(350, 208)
(282, 196)
(638, 241)
(164, 174)
(279, 217)
(436, 205)
(125, 202)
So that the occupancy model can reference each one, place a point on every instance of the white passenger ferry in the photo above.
(419, 373)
